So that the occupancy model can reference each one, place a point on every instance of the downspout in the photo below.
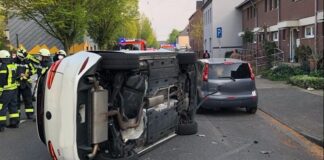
(257, 42)
(315, 30)
(277, 23)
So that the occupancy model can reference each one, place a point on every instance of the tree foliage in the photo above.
(247, 37)
(173, 36)
(197, 32)
(111, 19)
(65, 20)
(147, 32)
(2, 29)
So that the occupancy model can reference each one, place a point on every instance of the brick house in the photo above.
(195, 26)
(289, 23)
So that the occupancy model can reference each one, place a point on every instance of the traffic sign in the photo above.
(219, 32)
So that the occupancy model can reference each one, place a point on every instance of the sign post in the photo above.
(219, 35)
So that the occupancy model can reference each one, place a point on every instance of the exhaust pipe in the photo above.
(94, 152)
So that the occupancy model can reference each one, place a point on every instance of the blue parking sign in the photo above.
(219, 32)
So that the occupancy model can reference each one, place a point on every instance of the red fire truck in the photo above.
(134, 44)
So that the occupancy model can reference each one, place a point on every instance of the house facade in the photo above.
(183, 39)
(223, 15)
(196, 29)
(288, 23)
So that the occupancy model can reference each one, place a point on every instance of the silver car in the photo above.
(226, 83)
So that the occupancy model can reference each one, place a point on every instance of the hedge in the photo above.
(282, 73)
(306, 81)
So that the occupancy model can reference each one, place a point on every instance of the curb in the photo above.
(313, 139)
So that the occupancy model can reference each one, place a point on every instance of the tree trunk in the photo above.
(67, 46)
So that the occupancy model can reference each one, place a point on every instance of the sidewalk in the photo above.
(298, 108)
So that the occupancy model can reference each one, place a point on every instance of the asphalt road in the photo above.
(225, 134)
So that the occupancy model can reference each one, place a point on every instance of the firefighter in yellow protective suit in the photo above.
(8, 91)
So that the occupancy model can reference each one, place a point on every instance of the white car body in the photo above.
(65, 87)
(79, 118)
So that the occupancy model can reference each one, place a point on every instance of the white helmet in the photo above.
(44, 52)
(4, 54)
(61, 52)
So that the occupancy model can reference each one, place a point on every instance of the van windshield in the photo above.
(234, 70)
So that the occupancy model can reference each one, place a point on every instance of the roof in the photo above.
(184, 32)
(242, 4)
(29, 34)
(206, 4)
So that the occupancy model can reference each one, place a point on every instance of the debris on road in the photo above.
(213, 142)
(201, 135)
(310, 89)
(266, 152)
(255, 142)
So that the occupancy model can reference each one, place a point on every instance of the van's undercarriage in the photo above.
(129, 101)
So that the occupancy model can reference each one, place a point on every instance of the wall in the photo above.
(225, 15)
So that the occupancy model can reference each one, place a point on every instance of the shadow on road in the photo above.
(224, 112)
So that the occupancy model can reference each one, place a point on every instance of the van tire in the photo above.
(187, 128)
(119, 61)
(251, 110)
(132, 156)
(187, 58)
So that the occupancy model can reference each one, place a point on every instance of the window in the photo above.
(254, 12)
(265, 5)
(270, 5)
(254, 38)
(275, 36)
(261, 37)
(236, 71)
(284, 34)
(276, 4)
(309, 32)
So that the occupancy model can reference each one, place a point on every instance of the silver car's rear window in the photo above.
(234, 70)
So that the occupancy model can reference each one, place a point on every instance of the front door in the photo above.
(293, 43)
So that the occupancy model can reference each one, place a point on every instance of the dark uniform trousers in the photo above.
(8, 101)
(24, 89)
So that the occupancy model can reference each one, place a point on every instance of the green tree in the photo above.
(173, 36)
(197, 33)
(65, 20)
(111, 19)
(147, 33)
(3, 25)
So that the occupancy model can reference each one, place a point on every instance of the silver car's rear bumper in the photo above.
(214, 102)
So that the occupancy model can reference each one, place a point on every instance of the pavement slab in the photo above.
(295, 107)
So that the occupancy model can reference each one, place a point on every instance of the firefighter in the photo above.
(59, 55)
(45, 61)
(25, 70)
(8, 91)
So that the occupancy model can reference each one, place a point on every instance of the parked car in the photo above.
(230, 83)
(115, 105)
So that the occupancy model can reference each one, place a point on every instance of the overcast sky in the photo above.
(167, 14)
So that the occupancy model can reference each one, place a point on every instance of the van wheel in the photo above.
(251, 110)
(187, 128)
(119, 61)
(187, 58)
(131, 156)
